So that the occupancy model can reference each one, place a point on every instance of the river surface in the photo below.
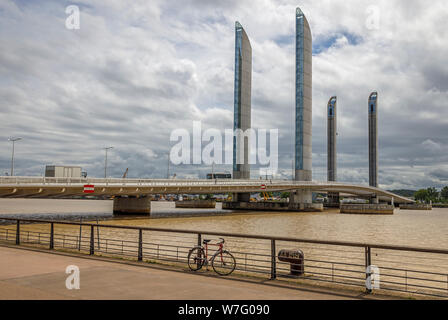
(405, 227)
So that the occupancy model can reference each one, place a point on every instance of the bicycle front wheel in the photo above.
(223, 263)
(196, 258)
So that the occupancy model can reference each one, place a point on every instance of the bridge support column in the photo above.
(241, 197)
(302, 200)
(132, 206)
(333, 200)
(301, 196)
(374, 200)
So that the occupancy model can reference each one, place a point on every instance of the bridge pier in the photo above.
(333, 200)
(374, 199)
(132, 206)
(302, 200)
(241, 197)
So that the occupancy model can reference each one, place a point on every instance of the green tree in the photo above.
(444, 193)
(421, 195)
(285, 195)
(427, 195)
(433, 194)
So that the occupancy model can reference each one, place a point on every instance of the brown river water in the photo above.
(405, 227)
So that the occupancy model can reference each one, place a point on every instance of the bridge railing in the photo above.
(398, 269)
(14, 181)
(254, 184)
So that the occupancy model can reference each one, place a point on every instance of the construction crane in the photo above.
(125, 175)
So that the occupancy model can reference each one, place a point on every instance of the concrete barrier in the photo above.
(367, 209)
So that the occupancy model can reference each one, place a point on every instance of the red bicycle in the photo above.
(222, 261)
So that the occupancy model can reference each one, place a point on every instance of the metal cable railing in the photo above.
(420, 271)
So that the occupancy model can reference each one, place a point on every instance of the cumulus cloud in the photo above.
(137, 70)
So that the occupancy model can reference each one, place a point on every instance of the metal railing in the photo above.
(17, 180)
(420, 271)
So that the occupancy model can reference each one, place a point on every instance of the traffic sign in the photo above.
(89, 188)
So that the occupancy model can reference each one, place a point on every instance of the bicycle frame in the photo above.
(219, 250)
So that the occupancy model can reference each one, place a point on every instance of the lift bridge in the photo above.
(133, 194)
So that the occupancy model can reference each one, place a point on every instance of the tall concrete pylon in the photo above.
(373, 139)
(333, 197)
(331, 139)
(303, 106)
(242, 107)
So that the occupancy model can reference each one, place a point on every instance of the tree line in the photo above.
(432, 194)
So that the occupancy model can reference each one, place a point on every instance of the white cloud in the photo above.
(137, 70)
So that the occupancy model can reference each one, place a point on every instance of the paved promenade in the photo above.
(27, 274)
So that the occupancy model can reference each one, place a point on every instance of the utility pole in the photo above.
(105, 161)
(13, 140)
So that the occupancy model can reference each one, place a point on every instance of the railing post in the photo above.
(80, 234)
(51, 236)
(92, 240)
(98, 233)
(273, 261)
(140, 245)
(199, 245)
(18, 233)
(368, 258)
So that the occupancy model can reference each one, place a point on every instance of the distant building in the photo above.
(219, 176)
(63, 172)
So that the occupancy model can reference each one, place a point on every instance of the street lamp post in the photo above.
(105, 161)
(13, 140)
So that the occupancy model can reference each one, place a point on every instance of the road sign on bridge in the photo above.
(89, 188)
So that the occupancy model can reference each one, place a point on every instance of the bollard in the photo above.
(296, 258)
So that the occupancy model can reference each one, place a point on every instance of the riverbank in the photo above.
(103, 278)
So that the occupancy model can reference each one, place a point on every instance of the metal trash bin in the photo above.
(296, 259)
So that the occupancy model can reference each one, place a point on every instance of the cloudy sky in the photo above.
(136, 70)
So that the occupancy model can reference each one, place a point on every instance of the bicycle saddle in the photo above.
(206, 241)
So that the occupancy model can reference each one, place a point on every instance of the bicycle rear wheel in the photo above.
(223, 263)
(196, 258)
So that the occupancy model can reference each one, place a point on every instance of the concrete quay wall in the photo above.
(367, 209)
(196, 204)
(415, 206)
(273, 206)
